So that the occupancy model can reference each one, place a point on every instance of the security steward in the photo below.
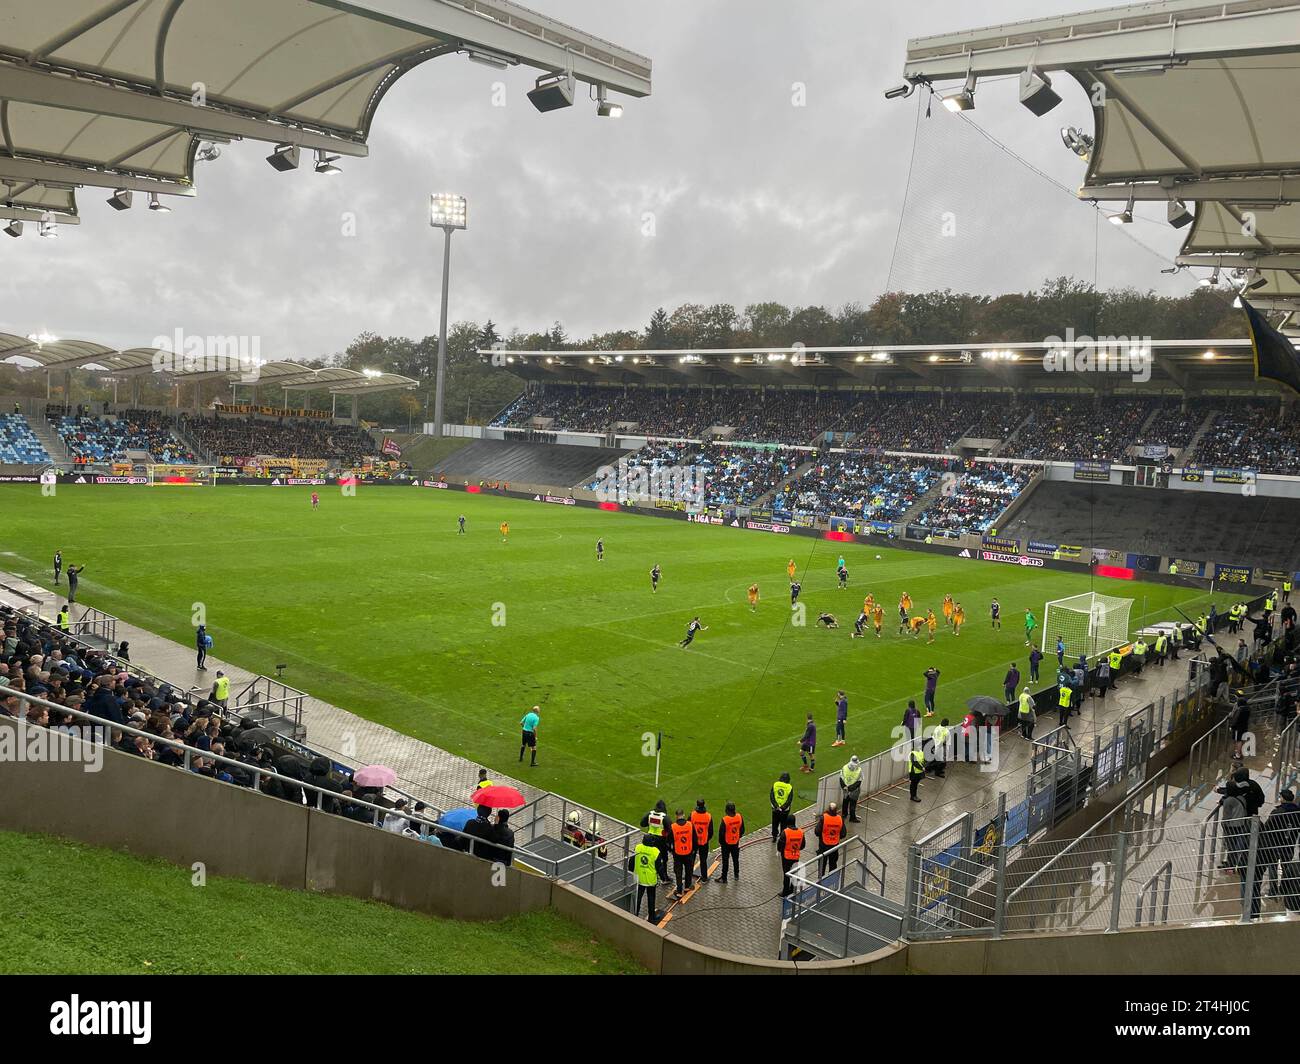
(851, 787)
(683, 836)
(938, 748)
(733, 830)
(62, 619)
(1161, 648)
(1116, 662)
(782, 799)
(915, 771)
(221, 689)
(655, 823)
(829, 830)
(1139, 655)
(789, 844)
(643, 861)
(702, 823)
(1064, 699)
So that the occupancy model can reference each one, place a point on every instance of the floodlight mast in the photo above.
(447, 211)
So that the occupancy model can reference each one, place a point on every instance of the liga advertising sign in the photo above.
(1010, 559)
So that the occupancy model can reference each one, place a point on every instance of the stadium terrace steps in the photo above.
(528, 463)
(1227, 527)
(50, 439)
(1205, 426)
(766, 498)
(922, 504)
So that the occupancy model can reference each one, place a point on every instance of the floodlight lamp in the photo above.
(604, 108)
(963, 99)
(155, 204)
(1179, 215)
(14, 228)
(325, 163)
(447, 210)
(120, 200)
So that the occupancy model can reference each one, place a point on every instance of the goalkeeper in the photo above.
(1030, 625)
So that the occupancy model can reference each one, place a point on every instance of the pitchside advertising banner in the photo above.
(1187, 567)
(1147, 563)
(1192, 476)
(842, 524)
(1234, 476)
(1092, 471)
(1232, 574)
(1002, 543)
(1062, 551)
(1276, 576)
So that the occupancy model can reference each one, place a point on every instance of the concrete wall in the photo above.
(155, 811)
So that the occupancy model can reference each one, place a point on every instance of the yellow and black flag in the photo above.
(1275, 355)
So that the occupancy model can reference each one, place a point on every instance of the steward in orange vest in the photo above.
(829, 830)
(702, 823)
(683, 836)
(733, 830)
(789, 844)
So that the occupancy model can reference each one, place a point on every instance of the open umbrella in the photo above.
(456, 819)
(497, 796)
(375, 776)
(987, 705)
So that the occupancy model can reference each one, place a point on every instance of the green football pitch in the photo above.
(380, 607)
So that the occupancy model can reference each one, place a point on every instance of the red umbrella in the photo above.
(497, 797)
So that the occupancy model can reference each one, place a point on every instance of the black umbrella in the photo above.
(987, 705)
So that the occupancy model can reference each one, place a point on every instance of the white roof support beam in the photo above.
(1160, 31)
(39, 172)
(1245, 261)
(1271, 189)
(32, 214)
(93, 97)
(512, 29)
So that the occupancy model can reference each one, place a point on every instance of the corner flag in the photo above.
(1275, 355)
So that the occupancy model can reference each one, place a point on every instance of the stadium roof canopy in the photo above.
(118, 94)
(1192, 102)
(61, 355)
(1189, 366)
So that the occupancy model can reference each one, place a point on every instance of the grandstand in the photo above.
(18, 444)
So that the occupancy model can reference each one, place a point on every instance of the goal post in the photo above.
(181, 474)
(1090, 624)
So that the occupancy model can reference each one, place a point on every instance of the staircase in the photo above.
(50, 439)
(1190, 449)
(766, 498)
(920, 505)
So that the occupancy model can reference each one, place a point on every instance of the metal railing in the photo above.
(1152, 892)
(840, 911)
(104, 732)
(262, 699)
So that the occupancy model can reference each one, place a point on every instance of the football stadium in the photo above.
(883, 566)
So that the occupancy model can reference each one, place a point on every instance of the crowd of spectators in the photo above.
(92, 440)
(1066, 430)
(236, 437)
(731, 476)
(18, 443)
(889, 421)
(1251, 434)
(859, 485)
(1175, 426)
(38, 659)
(977, 497)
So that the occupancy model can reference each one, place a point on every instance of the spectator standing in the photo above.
(1010, 683)
(733, 830)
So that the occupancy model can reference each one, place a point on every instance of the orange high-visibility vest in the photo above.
(683, 845)
(793, 844)
(832, 829)
(701, 822)
(731, 829)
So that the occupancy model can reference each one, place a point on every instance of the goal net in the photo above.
(182, 475)
(1090, 624)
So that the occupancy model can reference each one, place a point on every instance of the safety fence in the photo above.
(578, 845)
(838, 907)
(272, 704)
(94, 624)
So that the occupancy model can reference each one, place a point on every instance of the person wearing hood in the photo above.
(781, 798)
(702, 824)
(912, 719)
(1277, 839)
(851, 788)
(655, 823)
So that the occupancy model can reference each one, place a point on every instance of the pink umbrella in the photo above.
(374, 776)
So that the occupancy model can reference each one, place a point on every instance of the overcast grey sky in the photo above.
(752, 197)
